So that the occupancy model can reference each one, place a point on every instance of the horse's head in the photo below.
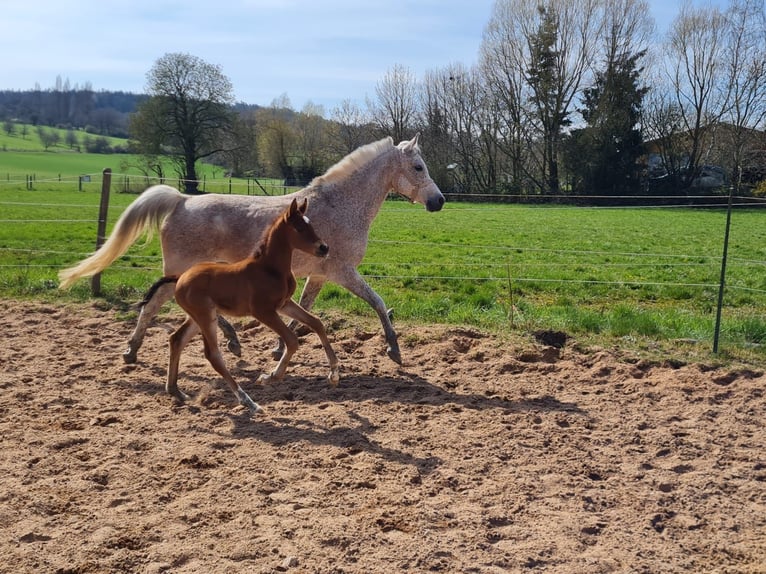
(302, 234)
(413, 181)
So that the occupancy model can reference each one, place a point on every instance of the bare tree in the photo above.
(695, 49)
(744, 64)
(538, 55)
(311, 141)
(504, 61)
(277, 138)
(351, 128)
(395, 109)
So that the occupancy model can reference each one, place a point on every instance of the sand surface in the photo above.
(478, 455)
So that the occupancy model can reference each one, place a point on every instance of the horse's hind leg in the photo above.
(215, 358)
(178, 340)
(148, 312)
(232, 341)
(309, 294)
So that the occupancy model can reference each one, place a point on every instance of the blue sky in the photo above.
(322, 51)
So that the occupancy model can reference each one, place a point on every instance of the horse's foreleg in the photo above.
(309, 294)
(178, 340)
(290, 340)
(359, 287)
(232, 341)
(148, 312)
(215, 358)
(298, 313)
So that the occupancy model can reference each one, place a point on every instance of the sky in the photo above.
(321, 52)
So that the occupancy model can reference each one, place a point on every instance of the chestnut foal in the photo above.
(262, 286)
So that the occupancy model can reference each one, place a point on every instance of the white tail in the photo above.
(142, 216)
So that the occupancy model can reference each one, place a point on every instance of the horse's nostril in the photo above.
(435, 203)
(324, 249)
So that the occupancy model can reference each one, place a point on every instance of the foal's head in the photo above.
(300, 233)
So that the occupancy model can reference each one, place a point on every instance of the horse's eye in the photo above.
(418, 167)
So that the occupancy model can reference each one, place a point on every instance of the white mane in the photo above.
(355, 160)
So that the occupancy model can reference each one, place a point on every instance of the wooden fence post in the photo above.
(106, 183)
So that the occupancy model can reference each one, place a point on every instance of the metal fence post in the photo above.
(103, 210)
(722, 283)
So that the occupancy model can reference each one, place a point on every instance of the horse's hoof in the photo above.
(264, 379)
(276, 354)
(393, 353)
(334, 377)
(245, 399)
(390, 314)
(179, 396)
(234, 347)
(130, 357)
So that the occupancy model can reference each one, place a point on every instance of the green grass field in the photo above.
(59, 168)
(638, 278)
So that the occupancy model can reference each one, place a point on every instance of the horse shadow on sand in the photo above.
(404, 390)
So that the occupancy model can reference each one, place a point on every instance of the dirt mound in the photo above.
(476, 456)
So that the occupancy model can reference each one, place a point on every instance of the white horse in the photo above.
(342, 204)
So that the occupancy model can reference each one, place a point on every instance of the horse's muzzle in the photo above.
(322, 250)
(435, 203)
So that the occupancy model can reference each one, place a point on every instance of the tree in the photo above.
(188, 114)
(351, 128)
(277, 139)
(695, 45)
(71, 139)
(744, 62)
(536, 55)
(311, 142)
(395, 109)
(48, 138)
(604, 157)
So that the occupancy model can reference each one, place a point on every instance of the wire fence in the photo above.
(45, 236)
(136, 183)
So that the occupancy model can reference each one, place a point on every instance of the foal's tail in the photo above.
(155, 287)
(142, 216)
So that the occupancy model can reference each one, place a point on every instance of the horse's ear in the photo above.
(302, 207)
(410, 145)
(293, 207)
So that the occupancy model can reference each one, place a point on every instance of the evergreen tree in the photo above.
(545, 81)
(603, 156)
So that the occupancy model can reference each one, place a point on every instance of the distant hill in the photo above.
(102, 113)
(97, 112)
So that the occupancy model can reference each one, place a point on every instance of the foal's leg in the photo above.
(214, 357)
(309, 294)
(275, 323)
(232, 341)
(178, 340)
(298, 313)
(355, 283)
(148, 312)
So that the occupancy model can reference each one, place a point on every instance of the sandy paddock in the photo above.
(479, 455)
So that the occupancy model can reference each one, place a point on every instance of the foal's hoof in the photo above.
(265, 379)
(234, 347)
(245, 399)
(179, 396)
(276, 354)
(130, 356)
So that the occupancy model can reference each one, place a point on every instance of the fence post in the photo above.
(722, 282)
(106, 183)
